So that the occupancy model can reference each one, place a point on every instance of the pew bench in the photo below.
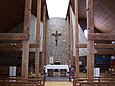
(94, 82)
(22, 82)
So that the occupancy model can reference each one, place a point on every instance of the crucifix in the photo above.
(56, 35)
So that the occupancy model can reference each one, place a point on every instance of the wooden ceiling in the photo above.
(104, 14)
(12, 11)
(11, 14)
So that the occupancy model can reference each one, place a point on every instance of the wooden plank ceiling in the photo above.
(11, 14)
(104, 14)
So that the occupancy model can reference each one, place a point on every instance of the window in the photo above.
(57, 8)
(85, 33)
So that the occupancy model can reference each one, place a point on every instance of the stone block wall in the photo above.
(61, 51)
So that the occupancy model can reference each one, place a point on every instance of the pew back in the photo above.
(98, 81)
(22, 81)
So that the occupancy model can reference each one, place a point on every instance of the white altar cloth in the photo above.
(56, 67)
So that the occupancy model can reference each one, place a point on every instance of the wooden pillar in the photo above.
(45, 45)
(67, 29)
(37, 38)
(71, 37)
(25, 51)
(44, 39)
(90, 43)
(77, 38)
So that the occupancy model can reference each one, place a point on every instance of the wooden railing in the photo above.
(98, 81)
(22, 81)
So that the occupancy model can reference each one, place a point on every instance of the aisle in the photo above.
(58, 78)
(58, 83)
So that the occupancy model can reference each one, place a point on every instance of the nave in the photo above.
(30, 39)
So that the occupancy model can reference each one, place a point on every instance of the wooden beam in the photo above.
(9, 50)
(2, 51)
(101, 36)
(97, 46)
(25, 48)
(9, 46)
(37, 38)
(67, 30)
(81, 46)
(90, 43)
(71, 37)
(105, 46)
(13, 36)
(15, 46)
(19, 45)
(106, 51)
(44, 39)
(77, 38)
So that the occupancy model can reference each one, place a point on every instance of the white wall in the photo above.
(19, 29)
(82, 38)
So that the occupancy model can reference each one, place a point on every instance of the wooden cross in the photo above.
(56, 36)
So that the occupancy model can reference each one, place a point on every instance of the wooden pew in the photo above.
(22, 81)
(104, 83)
(41, 80)
(98, 81)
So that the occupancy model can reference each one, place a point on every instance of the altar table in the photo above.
(56, 67)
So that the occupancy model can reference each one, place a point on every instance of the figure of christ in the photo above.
(56, 35)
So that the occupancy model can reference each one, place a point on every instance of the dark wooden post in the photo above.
(44, 39)
(25, 51)
(67, 29)
(71, 37)
(37, 38)
(77, 38)
(90, 43)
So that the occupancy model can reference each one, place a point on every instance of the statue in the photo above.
(56, 36)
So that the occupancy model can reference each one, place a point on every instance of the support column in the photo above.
(45, 52)
(71, 37)
(77, 38)
(37, 38)
(25, 51)
(90, 43)
(44, 39)
(67, 30)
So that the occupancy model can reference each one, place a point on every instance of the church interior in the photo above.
(41, 46)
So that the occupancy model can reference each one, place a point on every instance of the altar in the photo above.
(56, 67)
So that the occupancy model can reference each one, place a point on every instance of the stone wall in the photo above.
(61, 51)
